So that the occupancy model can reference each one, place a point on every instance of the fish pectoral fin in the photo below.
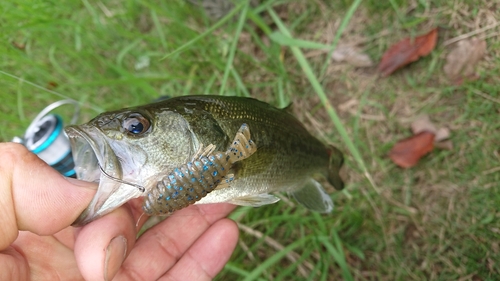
(313, 197)
(255, 200)
(288, 108)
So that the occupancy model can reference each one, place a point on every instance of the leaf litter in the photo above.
(351, 55)
(407, 51)
(462, 60)
(407, 152)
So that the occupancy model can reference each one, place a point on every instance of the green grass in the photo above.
(437, 221)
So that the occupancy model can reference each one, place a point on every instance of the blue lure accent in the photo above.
(192, 181)
(178, 173)
(172, 178)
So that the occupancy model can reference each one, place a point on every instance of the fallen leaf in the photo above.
(442, 134)
(352, 55)
(407, 152)
(423, 123)
(448, 145)
(461, 61)
(406, 51)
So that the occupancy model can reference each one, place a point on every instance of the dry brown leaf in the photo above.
(407, 152)
(423, 123)
(462, 60)
(406, 51)
(352, 55)
(442, 134)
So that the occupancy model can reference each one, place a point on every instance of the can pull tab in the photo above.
(46, 138)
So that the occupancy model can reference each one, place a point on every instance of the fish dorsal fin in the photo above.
(255, 200)
(313, 197)
(289, 108)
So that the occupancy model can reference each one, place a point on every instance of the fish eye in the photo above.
(136, 124)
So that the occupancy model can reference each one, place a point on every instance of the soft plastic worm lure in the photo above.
(194, 180)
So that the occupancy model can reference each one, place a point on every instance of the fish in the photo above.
(128, 152)
(207, 171)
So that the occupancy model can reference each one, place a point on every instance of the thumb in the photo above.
(35, 197)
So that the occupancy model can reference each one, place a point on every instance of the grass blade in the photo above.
(235, 269)
(337, 253)
(19, 92)
(234, 44)
(342, 26)
(274, 259)
(159, 30)
(239, 82)
(301, 59)
(284, 40)
(208, 31)
(97, 109)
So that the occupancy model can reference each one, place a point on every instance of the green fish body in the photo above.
(131, 148)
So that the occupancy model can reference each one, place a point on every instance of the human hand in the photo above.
(38, 205)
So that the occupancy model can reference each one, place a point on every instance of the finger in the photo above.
(159, 248)
(35, 197)
(67, 236)
(102, 245)
(208, 255)
(46, 258)
(13, 265)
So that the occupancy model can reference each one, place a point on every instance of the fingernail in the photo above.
(115, 254)
(85, 184)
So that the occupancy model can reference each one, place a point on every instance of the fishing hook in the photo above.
(140, 187)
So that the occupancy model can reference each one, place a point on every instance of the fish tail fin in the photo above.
(313, 197)
(335, 163)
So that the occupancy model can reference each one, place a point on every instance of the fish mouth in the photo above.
(95, 161)
(87, 153)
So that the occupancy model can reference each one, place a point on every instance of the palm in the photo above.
(193, 244)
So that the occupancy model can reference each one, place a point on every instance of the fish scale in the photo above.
(194, 180)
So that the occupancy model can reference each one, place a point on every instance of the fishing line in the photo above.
(96, 108)
(140, 187)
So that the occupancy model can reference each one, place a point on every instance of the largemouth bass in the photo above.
(130, 151)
